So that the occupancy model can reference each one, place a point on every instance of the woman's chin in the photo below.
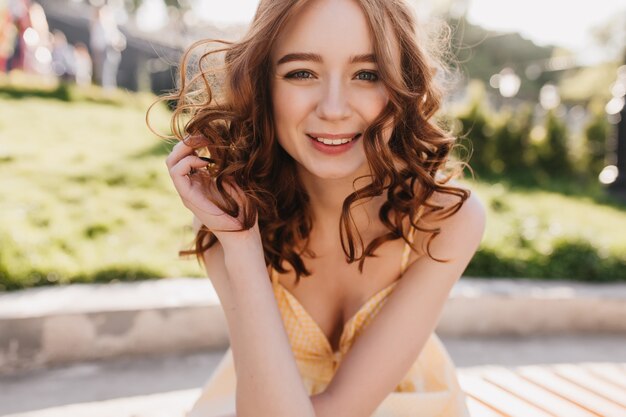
(334, 172)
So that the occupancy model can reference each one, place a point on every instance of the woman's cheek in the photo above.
(291, 104)
(375, 102)
(370, 99)
(288, 116)
(382, 96)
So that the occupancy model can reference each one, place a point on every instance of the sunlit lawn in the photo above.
(541, 217)
(85, 189)
(86, 196)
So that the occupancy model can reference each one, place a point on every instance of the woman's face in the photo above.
(325, 88)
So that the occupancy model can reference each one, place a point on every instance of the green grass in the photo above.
(86, 192)
(516, 217)
(86, 197)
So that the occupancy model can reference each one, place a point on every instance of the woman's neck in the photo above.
(326, 198)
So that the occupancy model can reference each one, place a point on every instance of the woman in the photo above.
(322, 214)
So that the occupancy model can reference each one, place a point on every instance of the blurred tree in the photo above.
(596, 134)
(481, 53)
(611, 36)
(509, 142)
(475, 131)
(552, 152)
(582, 84)
(511, 139)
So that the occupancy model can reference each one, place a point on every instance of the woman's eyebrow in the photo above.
(304, 56)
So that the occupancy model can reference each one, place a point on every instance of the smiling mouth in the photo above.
(334, 142)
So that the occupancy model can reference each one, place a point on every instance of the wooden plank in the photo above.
(546, 378)
(497, 398)
(534, 394)
(609, 371)
(478, 409)
(585, 379)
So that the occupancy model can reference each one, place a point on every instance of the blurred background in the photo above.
(536, 96)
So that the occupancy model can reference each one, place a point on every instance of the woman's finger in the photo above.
(179, 151)
(185, 147)
(180, 172)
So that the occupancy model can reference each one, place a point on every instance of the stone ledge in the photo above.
(46, 326)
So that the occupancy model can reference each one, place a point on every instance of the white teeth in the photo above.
(326, 141)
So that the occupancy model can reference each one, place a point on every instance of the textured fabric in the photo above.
(429, 389)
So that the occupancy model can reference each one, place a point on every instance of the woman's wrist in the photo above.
(241, 247)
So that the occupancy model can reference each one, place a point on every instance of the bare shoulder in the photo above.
(466, 225)
(460, 233)
(401, 329)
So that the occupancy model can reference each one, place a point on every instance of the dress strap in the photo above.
(273, 276)
(406, 253)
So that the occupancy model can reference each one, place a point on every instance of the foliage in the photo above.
(596, 134)
(527, 146)
(581, 84)
(576, 260)
(552, 151)
(535, 233)
(89, 199)
(481, 53)
(474, 131)
(511, 133)
(19, 85)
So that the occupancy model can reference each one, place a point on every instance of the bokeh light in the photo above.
(608, 174)
(549, 97)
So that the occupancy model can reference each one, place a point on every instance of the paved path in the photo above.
(167, 385)
(82, 322)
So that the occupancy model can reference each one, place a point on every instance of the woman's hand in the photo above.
(183, 163)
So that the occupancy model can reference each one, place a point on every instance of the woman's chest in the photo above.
(336, 291)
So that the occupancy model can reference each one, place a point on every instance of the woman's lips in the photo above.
(333, 136)
(333, 149)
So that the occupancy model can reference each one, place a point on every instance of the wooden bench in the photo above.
(556, 390)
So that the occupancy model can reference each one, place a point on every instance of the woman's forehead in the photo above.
(335, 30)
(325, 26)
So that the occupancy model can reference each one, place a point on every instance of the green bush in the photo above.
(58, 92)
(578, 259)
(20, 86)
(596, 134)
(37, 278)
(553, 157)
(508, 144)
(511, 141)
(100, 206)
(119, 273)
(487, 263)
(4, 275)
(475, 136)
(570, 259)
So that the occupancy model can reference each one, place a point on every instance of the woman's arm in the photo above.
(394, 339)
(216, 269)
(268, 381)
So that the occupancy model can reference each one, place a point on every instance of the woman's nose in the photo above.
(334, 103)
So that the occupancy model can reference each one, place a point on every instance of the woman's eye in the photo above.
(299, 75)
(370, 76)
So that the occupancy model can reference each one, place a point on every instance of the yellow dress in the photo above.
(429, 389)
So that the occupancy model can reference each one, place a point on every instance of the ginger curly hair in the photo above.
(228, 104)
